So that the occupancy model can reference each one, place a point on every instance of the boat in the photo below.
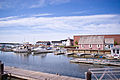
(70, 54)
(22, 49)
(41, 50)
(60, 51)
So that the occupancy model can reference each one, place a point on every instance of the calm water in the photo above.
(48, 63)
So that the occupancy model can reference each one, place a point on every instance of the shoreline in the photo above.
(35, 75)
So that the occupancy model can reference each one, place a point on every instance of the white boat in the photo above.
(60, 51)
(41, 50)
(21, 49)
(69, 53)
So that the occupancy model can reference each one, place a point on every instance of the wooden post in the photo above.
(1, 68)
(88, 75)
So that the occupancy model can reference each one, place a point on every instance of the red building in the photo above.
(116, 37)
(91, 43)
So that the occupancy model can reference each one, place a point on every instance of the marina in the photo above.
(59, 40)
(47, 63)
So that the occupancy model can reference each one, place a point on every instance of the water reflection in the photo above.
(43, 55)
(48, 63)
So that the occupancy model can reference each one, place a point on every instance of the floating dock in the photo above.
(95, 61)
(34, 75)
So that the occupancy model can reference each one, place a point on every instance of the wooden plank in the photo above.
(33, 75)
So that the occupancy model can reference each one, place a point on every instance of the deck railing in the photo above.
(103, 74)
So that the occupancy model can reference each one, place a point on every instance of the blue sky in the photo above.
(33, 20)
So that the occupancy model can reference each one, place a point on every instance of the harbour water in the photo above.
(48, 63)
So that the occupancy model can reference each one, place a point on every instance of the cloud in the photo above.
(58, 1)
(5, 4)
(81, 12)
(8, 18)
(63, 26)
(42, 3)
(45, 14)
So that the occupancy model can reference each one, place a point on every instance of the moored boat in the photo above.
(41, 50)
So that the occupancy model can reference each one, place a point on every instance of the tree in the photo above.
(76, 42)
(115, 43)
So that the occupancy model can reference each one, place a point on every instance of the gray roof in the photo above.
(109, 40)
(56, 41)
(91, 40)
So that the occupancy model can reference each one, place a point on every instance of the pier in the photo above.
(34, 75)
(89, 51)
(95, 61)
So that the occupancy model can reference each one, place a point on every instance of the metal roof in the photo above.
(91, 40)
(109, 40)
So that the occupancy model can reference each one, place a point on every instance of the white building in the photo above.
(115, 51)
(109, 43)
(67, 42)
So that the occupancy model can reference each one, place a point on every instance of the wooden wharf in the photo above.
(89, 51)
(34, 75)
(95, 61)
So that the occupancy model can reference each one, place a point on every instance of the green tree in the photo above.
(76, 42)
(115, 43)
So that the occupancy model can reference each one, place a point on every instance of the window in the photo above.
(82, 46)
(98, 46)
(117, 51)
(90, 46)
(113, 50)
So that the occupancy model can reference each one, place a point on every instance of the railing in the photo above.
(103, 74)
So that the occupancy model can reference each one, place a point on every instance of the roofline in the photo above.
(95, 34)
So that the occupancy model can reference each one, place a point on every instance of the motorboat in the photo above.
(41, 50)
(60, 51)
(22, 49)
(70, 54)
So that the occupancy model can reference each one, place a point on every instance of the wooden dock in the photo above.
(89, 51)
(95, 61)
(34, 75)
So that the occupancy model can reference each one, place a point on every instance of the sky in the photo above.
(47, 20)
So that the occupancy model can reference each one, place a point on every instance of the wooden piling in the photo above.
(1, 68)
(88, 75)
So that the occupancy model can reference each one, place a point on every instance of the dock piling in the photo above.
(88, 75)
(2, 75)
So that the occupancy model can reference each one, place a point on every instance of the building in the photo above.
(56, 43)
(95, 43)
(43, 43)
(115, 37)
(91, 43)
(67, 42)
(115, 51)
(109, 43)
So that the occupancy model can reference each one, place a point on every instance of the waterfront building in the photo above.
(91, 42)
(95, 43)
(43, 43)
(109, 43)
(56, 43)
(115, 51)
(116, 37)
(67, 42)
